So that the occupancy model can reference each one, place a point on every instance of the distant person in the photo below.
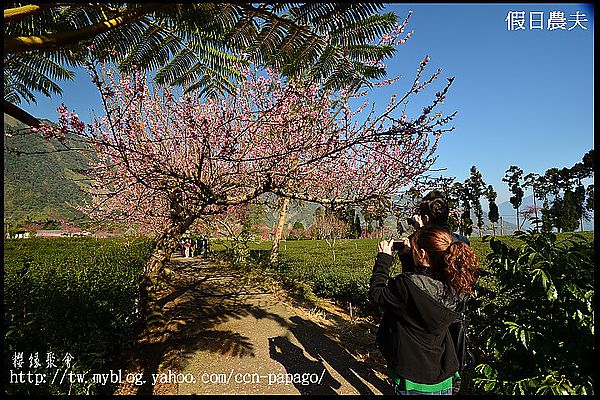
(194, 247)
(204, 246)
(419, 306)
(433, 211)
(187, 245)
(182, 247)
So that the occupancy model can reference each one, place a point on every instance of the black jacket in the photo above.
(413, 333)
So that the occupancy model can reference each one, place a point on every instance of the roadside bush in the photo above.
(536, 334)
(69, 295)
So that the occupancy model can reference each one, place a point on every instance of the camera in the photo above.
(398, 246)
(411, 221)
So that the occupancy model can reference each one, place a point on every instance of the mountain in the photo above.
(39, 186)
(508, 213)
(503, 227)
(303, 212)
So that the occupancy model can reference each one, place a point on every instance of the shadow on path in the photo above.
(178, 293)
(292, 358)
(312, 337)
(203, 295)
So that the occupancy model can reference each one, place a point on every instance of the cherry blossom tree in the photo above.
(330, 227)
(164, 159)
(530, 212)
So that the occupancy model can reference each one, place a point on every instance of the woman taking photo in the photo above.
(419, 306)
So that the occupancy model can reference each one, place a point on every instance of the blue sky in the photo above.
(523, 97)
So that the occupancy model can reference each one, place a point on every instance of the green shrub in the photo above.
(536, 337)
(70, 295)
(345, 278)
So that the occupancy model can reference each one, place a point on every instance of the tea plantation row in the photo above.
(72, 296)
(342, 272)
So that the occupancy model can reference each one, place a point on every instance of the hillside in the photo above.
(39, 186)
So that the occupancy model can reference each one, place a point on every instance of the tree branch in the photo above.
(322, 200)
(17, 13)
(21, 115)
(45, 42)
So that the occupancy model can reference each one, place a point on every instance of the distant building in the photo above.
(52, 233)
(24, 235)
(76, 232)
(101, 235)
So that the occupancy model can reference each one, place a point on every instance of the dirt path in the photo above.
(228, 338)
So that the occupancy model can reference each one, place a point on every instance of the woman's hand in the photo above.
(406, 249)
(385, 247)
(418, 221)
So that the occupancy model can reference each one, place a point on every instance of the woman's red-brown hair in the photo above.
(456, 262)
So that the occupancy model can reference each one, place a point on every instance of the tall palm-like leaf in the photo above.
(198, 46)
(24, 74)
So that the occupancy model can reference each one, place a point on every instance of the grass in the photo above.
(312, 268)
(71, 295)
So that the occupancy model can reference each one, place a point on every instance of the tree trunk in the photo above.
(536, 213)
(152, 273)
(279, 232)
(501, 227)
